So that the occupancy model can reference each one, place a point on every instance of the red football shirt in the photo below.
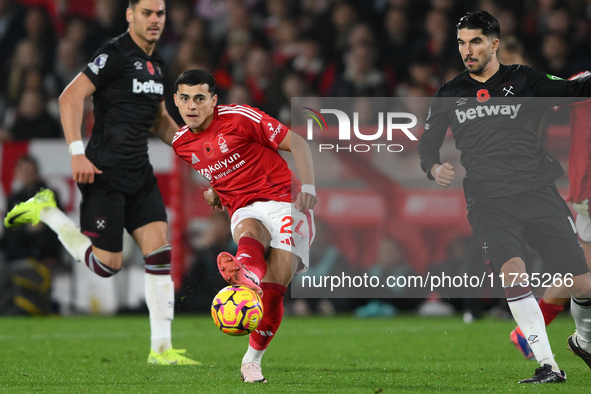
(238, 155)
(579, 159)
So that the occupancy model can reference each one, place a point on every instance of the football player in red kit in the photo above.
(235, 147)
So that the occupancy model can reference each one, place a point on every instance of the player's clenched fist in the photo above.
(212, 199)
(443, 174)
(305, 201)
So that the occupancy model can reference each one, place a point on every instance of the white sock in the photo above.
(67, 231)
(160, 300)
(529, 318)
(581, 311)
(253, 356)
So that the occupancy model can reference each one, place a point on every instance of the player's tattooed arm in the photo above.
(302, 157)
(71, 103)
(164, 127)
(213, 199)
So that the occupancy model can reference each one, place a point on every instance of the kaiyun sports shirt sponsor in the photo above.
(238, 155)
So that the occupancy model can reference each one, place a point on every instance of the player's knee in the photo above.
(513, 266)
(254, 229)
(581, 288)
(113, 260)
(101, 268)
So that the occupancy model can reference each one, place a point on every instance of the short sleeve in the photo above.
(261, 127)
(107, 64)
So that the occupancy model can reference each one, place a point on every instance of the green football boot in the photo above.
(171, 357)
(28, 211)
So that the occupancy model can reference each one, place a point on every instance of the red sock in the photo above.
(273, 313)
(251, 253)
(549, 311)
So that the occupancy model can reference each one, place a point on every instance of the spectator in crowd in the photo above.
(397, 39)
(11, 31)
(258, 76)
(32, 119)
(231, 67)
(421, 74)
(342, 17)
(238, 94)
(318, 74)
(69, 62)
(284, 43)
(557, 56)
(107, 22)
(38, 242)
(511, 51)
(40, 30)
(439, 40)
(26, 57)
(361, 76)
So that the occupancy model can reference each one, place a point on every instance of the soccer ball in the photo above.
(236, 310)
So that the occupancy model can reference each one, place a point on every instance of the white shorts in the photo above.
(290, 229)
(583, 221)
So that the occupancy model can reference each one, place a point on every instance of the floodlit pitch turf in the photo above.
(325, 355)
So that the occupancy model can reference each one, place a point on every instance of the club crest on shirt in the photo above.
(98, 63)
(223, 144)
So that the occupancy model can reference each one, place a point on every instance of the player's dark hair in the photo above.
(132, 3)
(196, 77)
(482, 20)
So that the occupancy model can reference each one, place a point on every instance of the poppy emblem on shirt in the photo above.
(482, 95)
(150, 67)
(208, 149)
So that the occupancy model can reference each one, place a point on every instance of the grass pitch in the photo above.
(325, 355)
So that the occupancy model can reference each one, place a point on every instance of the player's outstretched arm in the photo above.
(71, 103)
(164, 126)
(302, 157)
(443, 174)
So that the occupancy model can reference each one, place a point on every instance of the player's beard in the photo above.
(150, 38)
(479, 67)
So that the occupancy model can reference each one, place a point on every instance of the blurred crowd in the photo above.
(262, 52)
